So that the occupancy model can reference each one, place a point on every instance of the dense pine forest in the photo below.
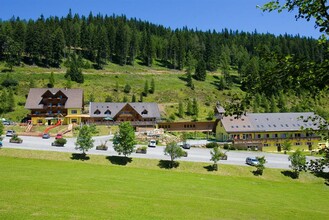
(264, 66)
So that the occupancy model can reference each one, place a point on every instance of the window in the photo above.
(259, 136)
(144, 112)
(50, 112)
(74, 111)
(267, 135)
(283, 135)
(274, 135)
(39, 120)
(107, 112)
(266, 145)
(97, 112)
(297, 143)
(297, 135)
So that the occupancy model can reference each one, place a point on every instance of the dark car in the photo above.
(45, 136)
(252, 161)
(10, 133)
(186, 146)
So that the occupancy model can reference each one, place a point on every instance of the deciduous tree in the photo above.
(174, 151)
(124, 141)
(84, 140)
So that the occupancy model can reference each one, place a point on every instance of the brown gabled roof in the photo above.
(74, 97)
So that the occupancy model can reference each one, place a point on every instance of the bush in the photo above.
(59, 142)
(9, 83)
(211, 145)
(226, 147)
(141, 150)
(15, 139)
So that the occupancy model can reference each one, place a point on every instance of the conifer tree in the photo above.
(200, 71)
(180, 110)
(146, 88)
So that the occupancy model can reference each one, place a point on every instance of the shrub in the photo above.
(9, 83)
(141, 150)
(226, 147)
(211, 145)
(60, 141)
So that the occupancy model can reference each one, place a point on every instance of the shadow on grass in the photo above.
(166, 164)
(82, 157)
(210, 168)
(257, 172)
(117, 160)
(324, 175)
(290, 174)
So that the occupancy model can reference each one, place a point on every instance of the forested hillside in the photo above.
(263, 66)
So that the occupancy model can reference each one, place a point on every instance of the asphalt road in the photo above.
(194, 154)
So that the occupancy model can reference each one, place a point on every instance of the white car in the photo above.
(152, 143)
(10, 133)
(252, 161)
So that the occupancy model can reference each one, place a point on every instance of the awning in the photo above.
(50, 118)
(77, 116)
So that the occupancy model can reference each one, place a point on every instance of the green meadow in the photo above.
(51, 185)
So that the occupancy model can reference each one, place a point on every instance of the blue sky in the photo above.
(239, 15)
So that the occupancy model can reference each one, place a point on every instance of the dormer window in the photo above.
(97, 112)
(107, 112)
(144, 112)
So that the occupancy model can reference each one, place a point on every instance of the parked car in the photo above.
(45, 136)
(58, 136)
(185, 146)
(10, 133)
(252, 161)
(152, 143)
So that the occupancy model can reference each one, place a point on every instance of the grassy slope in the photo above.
(170, 86)
(56, 187)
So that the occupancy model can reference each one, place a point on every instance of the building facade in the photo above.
(52, 105)
(269, 131)
(140, 114)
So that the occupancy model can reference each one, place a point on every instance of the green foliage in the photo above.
(174, 151)
(84, 140)
(74, 69)
(180, 110)
(260, 167)
(298, 162)
(200, 71)
(152, 88)
(60, 141)
(124, 141)
(108, 99)
(216, 155)
(133, 98)
(9, 82)
(212, 145)
(146, 88)
(2, 128)
(286, 146)
(51, 80)
(127, 88)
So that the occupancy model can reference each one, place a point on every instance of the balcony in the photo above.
(280, 140)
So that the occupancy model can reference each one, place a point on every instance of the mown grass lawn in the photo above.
(57, 187)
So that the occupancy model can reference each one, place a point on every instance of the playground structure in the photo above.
(59, 122)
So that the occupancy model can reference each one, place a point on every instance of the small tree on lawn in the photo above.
(2, 128)
(286, 146)
(260, 167)
(84, 139)
(124, 141)
(298, 162)
(216, 155)
(174, 151)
